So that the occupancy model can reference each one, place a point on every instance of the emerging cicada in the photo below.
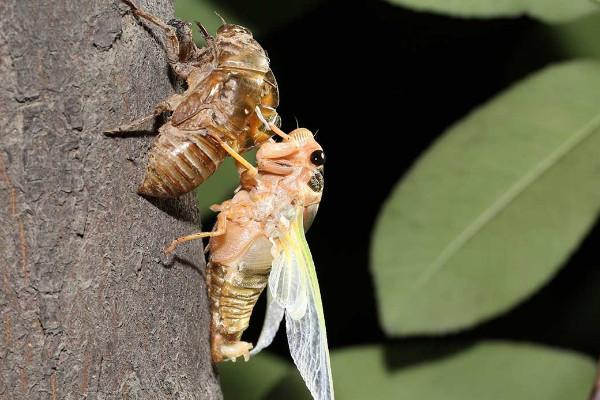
(259, 238)
(228, 81)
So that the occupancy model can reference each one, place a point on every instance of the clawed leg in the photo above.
(251, 169)
(221, 227)
(131, 126)
(168, 105)
(188, 50)
(172, 44)
(195, 236)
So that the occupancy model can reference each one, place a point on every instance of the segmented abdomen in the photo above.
(232, 295)
(183, 155)
(179, 162)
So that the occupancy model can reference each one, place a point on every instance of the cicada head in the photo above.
(310, 160)
(300, 158)
(238, 49)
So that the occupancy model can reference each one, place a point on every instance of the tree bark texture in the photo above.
(89, 305)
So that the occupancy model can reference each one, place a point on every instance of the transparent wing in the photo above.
(273, 318)
(293, 284)
(288, 281)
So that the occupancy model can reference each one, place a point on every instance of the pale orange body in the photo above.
(240, 246)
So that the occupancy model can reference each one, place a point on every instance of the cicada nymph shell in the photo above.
(227, 80)
(259, 240)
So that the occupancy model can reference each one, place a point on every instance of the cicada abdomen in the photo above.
(234, 286)
(228, 80)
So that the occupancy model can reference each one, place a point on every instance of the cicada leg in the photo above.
(221, 227)
(279, 132)
(172, 45)
(237, 156)
(270, 124)
(178, 54)
(167, 105)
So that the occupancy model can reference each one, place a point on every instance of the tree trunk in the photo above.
(89, 305)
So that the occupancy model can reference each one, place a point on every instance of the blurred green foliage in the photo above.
(220, 185)
(253, 381)
(470, 168)
(483, 371)
(489, 214)
(545, 10)
(579, 39)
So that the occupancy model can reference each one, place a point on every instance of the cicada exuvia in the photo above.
(227, 81)
(259, 238)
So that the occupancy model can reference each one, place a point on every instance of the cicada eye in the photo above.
(317, 157)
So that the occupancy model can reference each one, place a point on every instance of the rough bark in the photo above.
(89, 306)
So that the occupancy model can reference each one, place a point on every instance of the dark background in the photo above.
(380, 83)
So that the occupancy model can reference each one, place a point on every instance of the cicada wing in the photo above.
(288, 281)
(293, 284)
(273, 319)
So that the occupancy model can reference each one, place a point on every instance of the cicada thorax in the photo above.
(222, 103)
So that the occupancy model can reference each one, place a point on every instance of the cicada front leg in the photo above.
(172, 44)
(180, 48)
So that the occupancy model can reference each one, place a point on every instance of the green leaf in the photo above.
(481, 371)
(579, 38)
(551, 11)
(493, 209)
(220, 186)
(252, 380)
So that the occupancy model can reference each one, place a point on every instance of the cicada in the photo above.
(259, 239)
(227, 81)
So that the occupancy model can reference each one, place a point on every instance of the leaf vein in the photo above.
(504, 201)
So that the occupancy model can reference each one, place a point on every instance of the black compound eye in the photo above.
(317, 157)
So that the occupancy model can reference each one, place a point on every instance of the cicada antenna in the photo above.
(297, 123)
(221, 18)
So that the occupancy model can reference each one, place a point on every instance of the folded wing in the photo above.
(273, 318)
(293, 286)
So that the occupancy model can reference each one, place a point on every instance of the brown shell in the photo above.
(178, 162)
(220, 100)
